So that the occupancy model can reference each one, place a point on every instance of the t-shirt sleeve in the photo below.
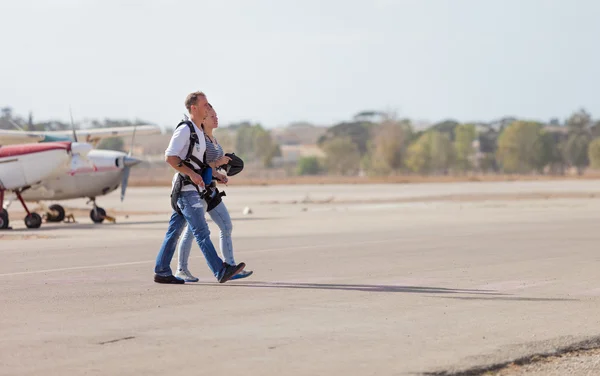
(178, 141)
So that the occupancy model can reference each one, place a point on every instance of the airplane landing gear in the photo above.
(3, 219)
(56, 213)
(33, 220)
(97, 214)
(3, 213)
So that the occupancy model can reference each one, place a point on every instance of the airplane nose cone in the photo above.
(130, 161)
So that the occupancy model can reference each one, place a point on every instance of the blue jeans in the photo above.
(220, 215)
(192, 208)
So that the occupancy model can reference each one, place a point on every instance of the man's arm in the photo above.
(175, 162)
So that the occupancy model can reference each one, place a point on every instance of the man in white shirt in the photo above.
(189, 202)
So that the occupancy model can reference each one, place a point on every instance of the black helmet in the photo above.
(235, 165)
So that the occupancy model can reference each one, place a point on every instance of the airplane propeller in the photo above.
(128, 162)
(15, 125)
(73, 125)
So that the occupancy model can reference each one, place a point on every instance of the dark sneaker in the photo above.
(242, 274)
(170, 279)
(230, 271)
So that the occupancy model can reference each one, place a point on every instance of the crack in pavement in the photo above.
(115, 340)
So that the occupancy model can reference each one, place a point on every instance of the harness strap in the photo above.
(194, 139)
(183, 180)
(199, 162)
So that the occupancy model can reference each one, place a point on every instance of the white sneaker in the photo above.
(186, 276)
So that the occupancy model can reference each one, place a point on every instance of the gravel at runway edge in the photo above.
(579, 347)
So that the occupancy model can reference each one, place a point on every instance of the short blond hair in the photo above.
(192, 99)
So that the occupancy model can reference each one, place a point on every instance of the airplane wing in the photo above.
(19, 137)
(95, 135)
(92, 136)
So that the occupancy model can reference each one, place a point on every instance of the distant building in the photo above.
(292, 153)
(556, 129)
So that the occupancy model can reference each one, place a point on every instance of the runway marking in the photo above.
(194, 257)
(75, 268)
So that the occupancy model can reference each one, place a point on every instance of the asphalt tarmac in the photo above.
(353, 279)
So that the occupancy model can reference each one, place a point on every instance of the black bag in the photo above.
(213, 199)
(234, 166)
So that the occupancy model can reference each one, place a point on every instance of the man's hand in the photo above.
(197, 179)
(221, 178)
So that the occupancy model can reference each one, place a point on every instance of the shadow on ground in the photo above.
(352, 287)
(474, 294)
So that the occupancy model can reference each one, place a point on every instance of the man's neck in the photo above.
(194, 120)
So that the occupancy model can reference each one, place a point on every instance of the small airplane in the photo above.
(24, 165)
(105, 172)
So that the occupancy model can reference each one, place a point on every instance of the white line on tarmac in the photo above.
(151, 261)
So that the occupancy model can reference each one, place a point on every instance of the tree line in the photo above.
(376, 143)
(510, 145)
(10, 120)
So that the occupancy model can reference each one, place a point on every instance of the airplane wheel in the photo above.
(33, 220)
(56, 213)
(98, 215)
(3, 219)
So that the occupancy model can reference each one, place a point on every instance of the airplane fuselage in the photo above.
(28, 164)
(102, 176)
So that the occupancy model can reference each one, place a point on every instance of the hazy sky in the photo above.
(280, 61)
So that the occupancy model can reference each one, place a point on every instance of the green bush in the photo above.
(116, 143)
(594, 153)
(308, 166)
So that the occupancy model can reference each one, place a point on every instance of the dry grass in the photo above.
(529, 196)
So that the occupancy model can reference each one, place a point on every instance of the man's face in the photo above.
(200, 109)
